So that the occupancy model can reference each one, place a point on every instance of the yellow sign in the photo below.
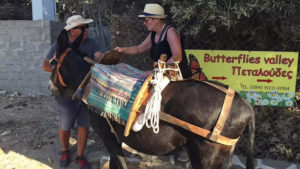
(262, 77)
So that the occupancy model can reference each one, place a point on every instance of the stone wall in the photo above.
(23, 47)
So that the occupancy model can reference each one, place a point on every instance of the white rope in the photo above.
(151, 114)
(176, 69)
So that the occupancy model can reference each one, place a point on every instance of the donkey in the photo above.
(191, 101)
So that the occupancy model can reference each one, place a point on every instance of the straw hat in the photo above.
(76, 20)
(153, 11)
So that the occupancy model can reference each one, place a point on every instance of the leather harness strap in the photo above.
(195, 129)
(219, 87)
(59, 63)
(215, 135)
(223, 115)
(224, 112)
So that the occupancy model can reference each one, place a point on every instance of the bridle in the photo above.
(56, 71)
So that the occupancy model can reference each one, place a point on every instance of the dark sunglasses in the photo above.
(82, 27)
(147, 19)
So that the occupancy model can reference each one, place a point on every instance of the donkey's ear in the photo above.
(62, 43)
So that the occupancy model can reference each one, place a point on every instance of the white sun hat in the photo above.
(76, 20)
(153, 11)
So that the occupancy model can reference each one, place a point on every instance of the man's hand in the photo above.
(46, 66)
(97, 56)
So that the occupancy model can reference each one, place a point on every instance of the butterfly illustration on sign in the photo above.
(197, 72)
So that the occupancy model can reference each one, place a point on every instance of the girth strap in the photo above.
(197, 130)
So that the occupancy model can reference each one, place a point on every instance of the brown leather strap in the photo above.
(216, 134)
(59, 63)
(223, 115)
(223, 89)
(195, 129)
(225, 110)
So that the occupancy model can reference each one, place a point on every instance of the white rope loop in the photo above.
(153, 106)
(177, 68)
(151, 114)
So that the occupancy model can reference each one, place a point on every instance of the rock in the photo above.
(8, 106)
(32, 95)
(96, 157)
(172, 159)
(3, 92)
(14, 94)
(50, 161)
(188, 165)
(104, 159)
(134, 159)
(90, 142)
(182, 156)
(72, 141)
(6, 133)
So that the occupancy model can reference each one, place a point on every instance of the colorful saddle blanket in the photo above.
(114, 89)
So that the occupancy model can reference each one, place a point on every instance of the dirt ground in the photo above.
(29, 138)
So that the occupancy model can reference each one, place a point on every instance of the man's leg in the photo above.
(64, 136)
(83, 133)
(66, 112)
(83, 123)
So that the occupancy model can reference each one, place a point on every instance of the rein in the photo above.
(57, 74)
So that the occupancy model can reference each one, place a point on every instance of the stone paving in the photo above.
(239, 163)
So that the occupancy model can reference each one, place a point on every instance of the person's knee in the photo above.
(66, 121)
(83, 123)
(66, 125)
(67, 114)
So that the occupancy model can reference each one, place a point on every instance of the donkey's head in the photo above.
(70, 67)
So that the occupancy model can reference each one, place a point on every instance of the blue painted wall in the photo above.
(44, 10)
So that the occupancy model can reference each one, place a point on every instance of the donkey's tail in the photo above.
(251, 134)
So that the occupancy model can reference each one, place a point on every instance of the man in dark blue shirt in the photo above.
(68, 110)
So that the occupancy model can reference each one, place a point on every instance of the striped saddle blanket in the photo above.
(114, 89)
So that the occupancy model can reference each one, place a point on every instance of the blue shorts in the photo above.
(69, 112)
